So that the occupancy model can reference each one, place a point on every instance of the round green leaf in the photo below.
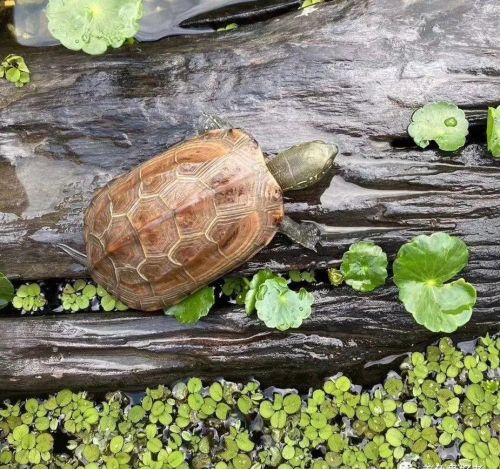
(108, 303)
(281, 308)
(136, 413)
(93, 25)
(216, 392)
(257, 280)
(420, 270)
(245, 405)
(394, 437)
(442, 122)
(91, 453)
(175, 458)
(292, 404)
(116, 444)
(364, 266)
(12, 74)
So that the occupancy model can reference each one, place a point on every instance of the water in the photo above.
(28, 24)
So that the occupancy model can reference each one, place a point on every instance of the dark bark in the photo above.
(351, 72)
(241, 13)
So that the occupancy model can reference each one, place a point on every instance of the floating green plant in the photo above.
(6, 291)
(14, 69)
(421, 270)
(493, 131)
(364, 266)
(442, 122)
(418, 416)
(78, 296)
(194, 307)
(108, 302)
(335, 277)
(309, 3)
(302, 276)
(229, 27)
(281, 308)
(93, 25)
(29, 298)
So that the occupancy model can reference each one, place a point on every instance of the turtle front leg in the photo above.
(305, 234)
(208, 122)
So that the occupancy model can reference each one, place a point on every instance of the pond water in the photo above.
(28, 24)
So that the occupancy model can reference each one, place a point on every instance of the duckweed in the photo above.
(412, 418)
(29, 298)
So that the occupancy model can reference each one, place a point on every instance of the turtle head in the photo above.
(303, 165)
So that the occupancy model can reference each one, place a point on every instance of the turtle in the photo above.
(195, 212)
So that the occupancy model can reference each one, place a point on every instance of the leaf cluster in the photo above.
(14, 69)
(266, 293)
(442, 399)
(108, 302)
(29, 298)
(276, 304)
(77, 296)
(422, 272)
(82, 295)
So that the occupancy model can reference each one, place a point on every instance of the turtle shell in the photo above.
(182, 219)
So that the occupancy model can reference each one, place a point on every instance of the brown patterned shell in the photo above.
(182, 219)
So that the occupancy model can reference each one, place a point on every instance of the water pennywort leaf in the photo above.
(280, 307)
(257, 280)
(493, 131)
(442, 122)
(6, 291)
(93, 25)
(364, 266)
(421, 269)
(194, 307)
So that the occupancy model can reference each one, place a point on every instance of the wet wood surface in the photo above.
(351, 72)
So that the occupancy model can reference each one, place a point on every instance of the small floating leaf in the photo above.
(194, 307)
(257, 280)
(229, 27)
(442, 122)
(6, 291)
(309, 3)
(15, 70)
(282, 308)
(13, 75)
(335, 277)
(493, 131)
(364, 266)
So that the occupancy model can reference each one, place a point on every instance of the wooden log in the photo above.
(350, 72)
(132, 351)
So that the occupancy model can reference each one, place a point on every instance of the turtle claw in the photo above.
(309, 235)
(208, 122)
(305, 233)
